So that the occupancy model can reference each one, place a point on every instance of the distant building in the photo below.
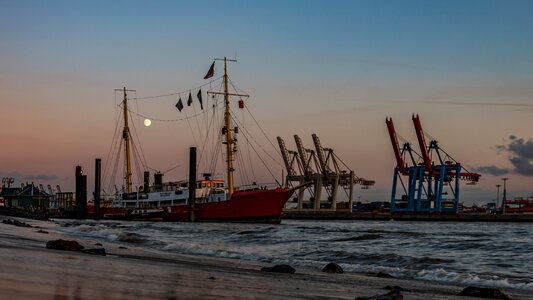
(63, 200)
(8, 193)
(27, 196)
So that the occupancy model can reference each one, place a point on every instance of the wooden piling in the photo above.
(192, 183)
(97, 186)
(81, 193)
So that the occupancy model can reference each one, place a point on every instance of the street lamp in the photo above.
(498, 193)
(504, 200)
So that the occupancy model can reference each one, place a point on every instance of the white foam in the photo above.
(471, 279)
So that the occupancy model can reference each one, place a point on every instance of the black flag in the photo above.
(199, 95)
(189, 101)
(211, 71)
(179, 105)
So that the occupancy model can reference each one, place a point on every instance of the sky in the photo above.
(335, 68)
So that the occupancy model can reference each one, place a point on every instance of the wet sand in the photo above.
(30, 271)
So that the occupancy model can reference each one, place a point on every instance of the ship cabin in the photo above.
(210, 190)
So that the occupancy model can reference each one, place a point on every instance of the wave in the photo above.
(466, 278)
(397, 232)
(130, 237)
(462, 254)
(364, 237)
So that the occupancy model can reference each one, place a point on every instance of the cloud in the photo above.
(492, 170)
(21, 178)
(394, 64)
(520, 155)
(523, 166)
(520, 148)
(41, 177)
(15, 175)
(523, 105)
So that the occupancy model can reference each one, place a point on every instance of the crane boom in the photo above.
(285, 155)
(301, 152)
(422, 143)
(395, 145)
(320, 153)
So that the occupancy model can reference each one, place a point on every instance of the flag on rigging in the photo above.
(199, 95)
(211, 71)
(189, 101)
(179, 105)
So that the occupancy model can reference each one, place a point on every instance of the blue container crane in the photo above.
(431, 181)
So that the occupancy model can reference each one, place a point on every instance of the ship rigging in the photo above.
(169, 199)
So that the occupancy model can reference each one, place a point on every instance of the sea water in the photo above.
(491, 254)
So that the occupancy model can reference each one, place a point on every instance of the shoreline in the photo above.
(30, 271)
(423, 217)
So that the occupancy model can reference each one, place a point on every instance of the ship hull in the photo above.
(258, 206)
(517, 210)
(252, 206)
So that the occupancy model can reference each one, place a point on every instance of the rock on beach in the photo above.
(64, 245)
(279, 269)
(333, 268)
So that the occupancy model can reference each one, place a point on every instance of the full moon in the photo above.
(147, 122)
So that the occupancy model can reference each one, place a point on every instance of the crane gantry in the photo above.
(318, 170)
(426, 182)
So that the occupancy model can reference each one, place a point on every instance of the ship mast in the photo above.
(229, 141)
(228, 129)
(126, 137)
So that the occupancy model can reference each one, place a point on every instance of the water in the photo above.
(491, 254)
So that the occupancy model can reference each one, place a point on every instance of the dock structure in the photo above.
(426, 182)
(321, 175)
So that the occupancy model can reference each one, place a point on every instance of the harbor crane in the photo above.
(324, 171)
(294, 168)
(429, 181)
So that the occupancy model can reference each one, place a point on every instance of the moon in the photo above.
(147, 122)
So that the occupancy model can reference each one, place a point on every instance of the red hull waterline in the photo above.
(251, 206)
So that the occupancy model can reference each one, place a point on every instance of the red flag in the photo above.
(211, 71)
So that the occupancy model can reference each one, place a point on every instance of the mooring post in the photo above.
(192, 183)
(97, 186)
(81, 193)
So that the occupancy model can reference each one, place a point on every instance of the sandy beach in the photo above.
(30, 271)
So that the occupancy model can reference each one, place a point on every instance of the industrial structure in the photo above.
(317, 171)
(426, 182)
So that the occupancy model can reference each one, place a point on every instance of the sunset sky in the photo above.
(335, 68)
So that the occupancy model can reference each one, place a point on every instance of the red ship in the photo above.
(248, 206)
(213, 199)
(519, 205)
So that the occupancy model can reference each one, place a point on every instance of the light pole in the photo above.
(497, 194)
(504, 200)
